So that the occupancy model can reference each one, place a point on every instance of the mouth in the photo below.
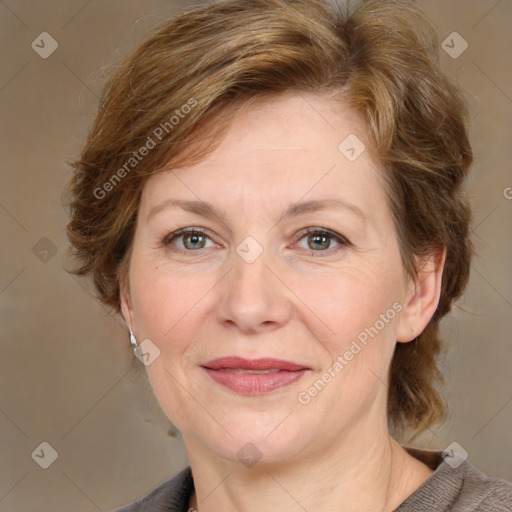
(254, 376)
(266, 364)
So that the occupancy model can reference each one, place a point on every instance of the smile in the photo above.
(253, 377)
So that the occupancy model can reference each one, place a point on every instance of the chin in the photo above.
(259, 453)
(257, 441)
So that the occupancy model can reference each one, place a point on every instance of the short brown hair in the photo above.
(379, 57)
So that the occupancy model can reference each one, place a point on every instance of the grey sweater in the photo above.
(455, 486)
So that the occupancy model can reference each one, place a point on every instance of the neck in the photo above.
(348, 476)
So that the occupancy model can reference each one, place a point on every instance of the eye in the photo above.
(187, 239)
(192, 239)
(322, 240)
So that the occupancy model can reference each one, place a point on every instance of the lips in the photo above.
(253, 376)
(239, 363)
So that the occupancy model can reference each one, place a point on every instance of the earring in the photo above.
(133, 341)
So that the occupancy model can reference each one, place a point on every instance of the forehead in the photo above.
(289, 146)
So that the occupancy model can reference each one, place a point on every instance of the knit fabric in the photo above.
(455, 486)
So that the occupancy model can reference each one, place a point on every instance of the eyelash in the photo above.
(342, 241)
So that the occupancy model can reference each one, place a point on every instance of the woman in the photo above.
(271, 196)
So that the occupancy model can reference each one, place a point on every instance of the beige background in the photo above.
(67, 375)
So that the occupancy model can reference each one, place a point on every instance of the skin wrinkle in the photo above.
(326, 452)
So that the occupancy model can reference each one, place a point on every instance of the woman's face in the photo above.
(301, 265)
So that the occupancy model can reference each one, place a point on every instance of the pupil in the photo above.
(194, 239)
(322, 241)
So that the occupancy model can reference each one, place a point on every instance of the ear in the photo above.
(422, 297)
(126, 303)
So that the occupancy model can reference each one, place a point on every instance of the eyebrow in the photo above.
(205, 209)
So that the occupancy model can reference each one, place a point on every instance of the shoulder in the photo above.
(171, 496)
(484, 493)
(457, 485)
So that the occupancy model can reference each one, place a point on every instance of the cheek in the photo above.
(169, 312)
(362, 316)
(166, 306)
(362, 311)
(336, 306)
(349, 303)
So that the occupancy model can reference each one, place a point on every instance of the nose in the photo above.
(253, 298)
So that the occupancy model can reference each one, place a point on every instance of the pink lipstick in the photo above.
(253, 376)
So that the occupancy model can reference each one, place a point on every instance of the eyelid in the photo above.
(323, 231)
(342, 242)
(167, 240)
(182, 231)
